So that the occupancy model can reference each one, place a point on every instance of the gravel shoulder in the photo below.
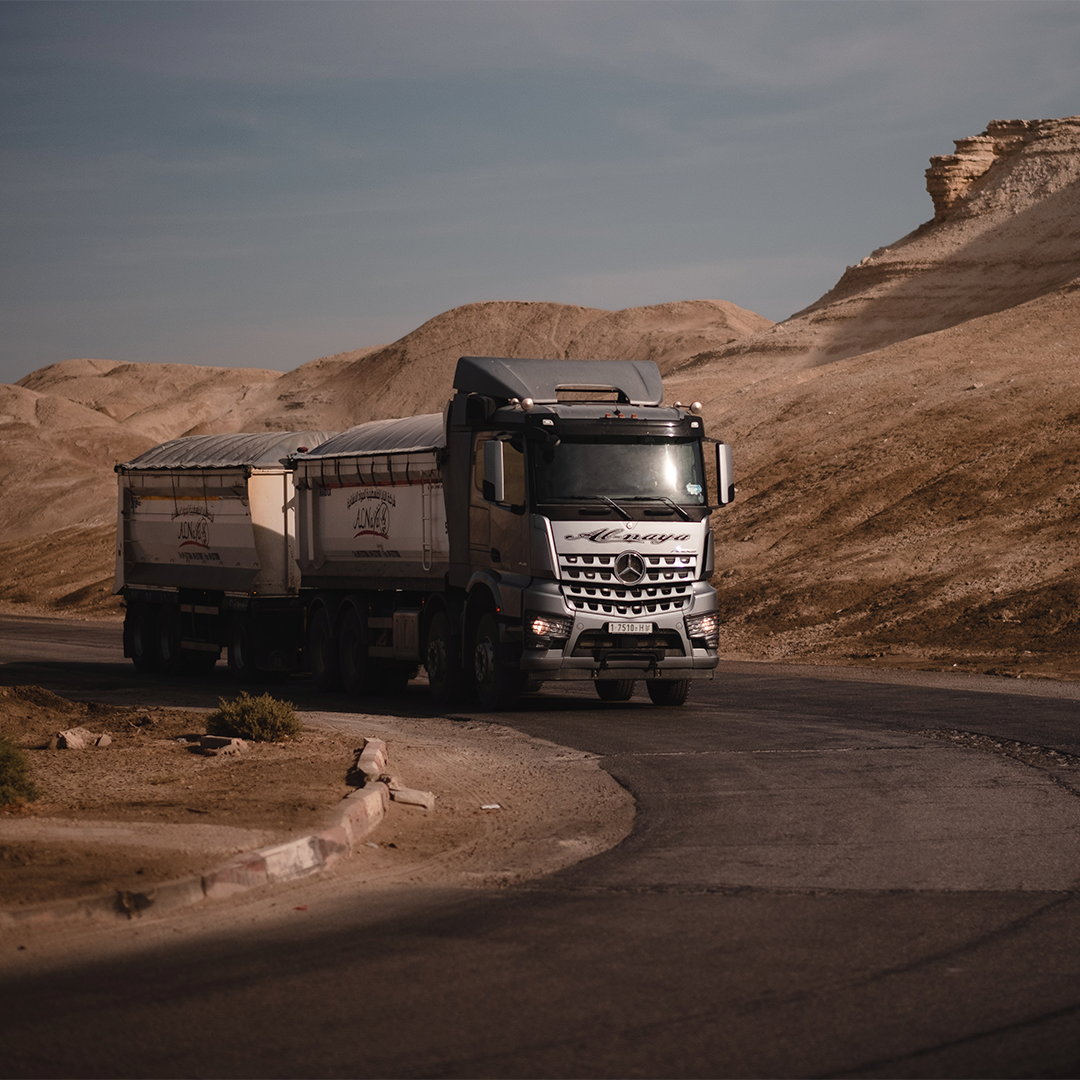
(148, 809)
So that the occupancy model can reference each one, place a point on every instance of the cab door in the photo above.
(498, 501)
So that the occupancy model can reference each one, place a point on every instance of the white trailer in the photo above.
(206, 540)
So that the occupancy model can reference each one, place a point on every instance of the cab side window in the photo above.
(478, 465)
(514, 477)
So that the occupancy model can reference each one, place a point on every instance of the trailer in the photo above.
(205, 553)
(551, 524)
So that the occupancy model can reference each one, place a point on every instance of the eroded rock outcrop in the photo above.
(951, 176)
(1006, 231)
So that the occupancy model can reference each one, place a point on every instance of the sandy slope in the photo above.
(922, 495)
(907, 446)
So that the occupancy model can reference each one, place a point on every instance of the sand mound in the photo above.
(158, 401)
(415, 374)
(62, 428)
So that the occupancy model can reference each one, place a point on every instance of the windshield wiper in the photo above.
(612, 503)
(591, 498)
(674, 506)
(661, 498)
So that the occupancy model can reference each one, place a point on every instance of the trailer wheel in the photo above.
(615, 689)
(322, 658)
(360, 673)
(170, 655)
(143, 637)
(445, 677)
(668, 691)
(497, 686)
(241, 654)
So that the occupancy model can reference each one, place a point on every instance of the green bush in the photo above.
(15, 783)
(260, 719)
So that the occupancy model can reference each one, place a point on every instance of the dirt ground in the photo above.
(148, 808)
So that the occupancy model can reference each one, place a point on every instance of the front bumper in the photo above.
(593, 651)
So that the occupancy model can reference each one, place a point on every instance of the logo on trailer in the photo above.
(194, 533)
(373, 515)
(629, 567)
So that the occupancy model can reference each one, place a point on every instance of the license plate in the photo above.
(629, 627)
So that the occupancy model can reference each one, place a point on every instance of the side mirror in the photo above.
(479, 409)
(494, 471)
(725, 474)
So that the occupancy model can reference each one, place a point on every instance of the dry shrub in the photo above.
(15, 783)
(259, 719)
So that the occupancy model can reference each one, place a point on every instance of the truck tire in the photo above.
(360, 674)
(241, 651)
(143, 637)
(497, 686)
(170, 655)
(445, 676)
(615, 689)
(668, 691)
(322, 660)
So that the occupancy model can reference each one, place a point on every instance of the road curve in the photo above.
(827, 877)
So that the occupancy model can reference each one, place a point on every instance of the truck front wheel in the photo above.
(615, 689)
(668, 691)
(497, 686)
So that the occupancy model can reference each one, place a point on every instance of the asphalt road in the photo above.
(827, 877)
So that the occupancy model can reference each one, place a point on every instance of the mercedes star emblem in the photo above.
(629, 567)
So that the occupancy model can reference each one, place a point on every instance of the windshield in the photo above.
(653, 468)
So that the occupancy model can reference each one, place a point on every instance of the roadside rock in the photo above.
(409, 796)
(221, 745)
(80, 738)
(371, 759)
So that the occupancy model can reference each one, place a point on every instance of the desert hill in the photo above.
(162, 401)
(63, 427)
(907, 446)
(919, 499)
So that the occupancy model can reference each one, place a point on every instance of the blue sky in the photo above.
(262, 184)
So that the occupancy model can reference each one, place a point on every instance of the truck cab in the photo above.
(578, 516)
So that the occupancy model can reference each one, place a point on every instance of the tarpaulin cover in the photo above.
(410, 433)
(259, 450)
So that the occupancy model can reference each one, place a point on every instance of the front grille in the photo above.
(589, 584)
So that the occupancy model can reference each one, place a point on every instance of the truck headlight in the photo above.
(547, 628)
(705, 626)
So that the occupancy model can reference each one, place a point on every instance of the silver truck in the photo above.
(551, 524)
